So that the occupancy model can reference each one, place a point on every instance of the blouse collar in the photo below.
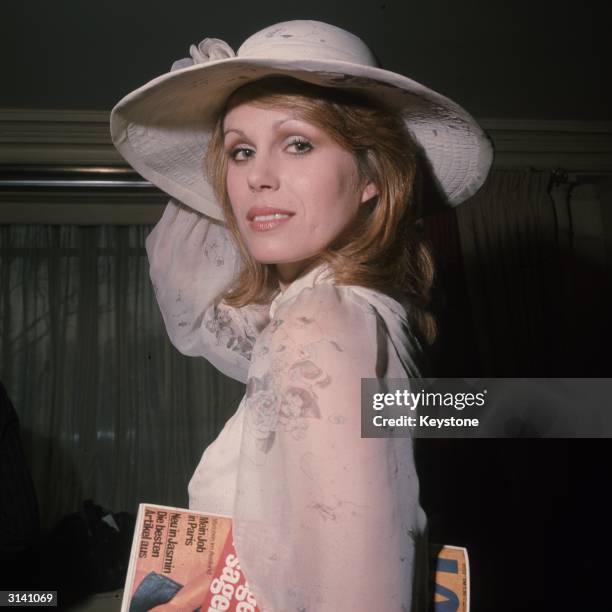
(319, 274)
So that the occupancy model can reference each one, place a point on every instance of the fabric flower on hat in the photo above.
(208, 50)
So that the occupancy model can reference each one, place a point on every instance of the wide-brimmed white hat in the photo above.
(163, 128)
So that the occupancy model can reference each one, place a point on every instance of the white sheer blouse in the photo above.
(324, 520)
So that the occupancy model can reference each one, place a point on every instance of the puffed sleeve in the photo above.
(192, 263)
(324, 520)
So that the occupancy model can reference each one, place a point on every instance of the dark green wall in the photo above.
(498, 58)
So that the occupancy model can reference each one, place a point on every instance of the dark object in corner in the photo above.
(88, 552)
(19, 518)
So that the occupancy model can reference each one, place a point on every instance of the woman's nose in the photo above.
(262, 173)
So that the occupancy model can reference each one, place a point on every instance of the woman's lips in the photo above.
(265, 225)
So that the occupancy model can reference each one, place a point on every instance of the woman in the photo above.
(291, 264)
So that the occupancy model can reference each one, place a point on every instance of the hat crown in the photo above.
(306, 39)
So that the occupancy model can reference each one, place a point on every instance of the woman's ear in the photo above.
(370, 190)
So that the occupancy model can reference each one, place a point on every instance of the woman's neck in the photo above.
(289, 272)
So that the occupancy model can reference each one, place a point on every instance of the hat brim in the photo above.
(162, 129)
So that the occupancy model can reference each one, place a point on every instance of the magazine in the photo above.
(184, 560)
(451, 569)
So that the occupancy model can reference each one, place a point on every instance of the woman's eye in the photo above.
(299, 146)
(241, 153)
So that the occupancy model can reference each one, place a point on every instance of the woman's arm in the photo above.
(325, 520)
(192, 263)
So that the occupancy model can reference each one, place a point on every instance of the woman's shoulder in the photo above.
(342, 301)
(353, 319)
(330, 304)
(336, 311)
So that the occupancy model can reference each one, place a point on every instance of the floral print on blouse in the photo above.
(324, 520)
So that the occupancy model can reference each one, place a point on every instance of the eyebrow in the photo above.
(276, 124)
(239, 132)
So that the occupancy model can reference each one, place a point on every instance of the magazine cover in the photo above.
(452, 579)
(184, 560)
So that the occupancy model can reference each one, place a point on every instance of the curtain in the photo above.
(509, 245)
(584, 212)
(109, 410)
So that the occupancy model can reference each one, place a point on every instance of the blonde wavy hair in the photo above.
(383, 249)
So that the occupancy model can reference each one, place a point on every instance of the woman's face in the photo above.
(278, 163)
